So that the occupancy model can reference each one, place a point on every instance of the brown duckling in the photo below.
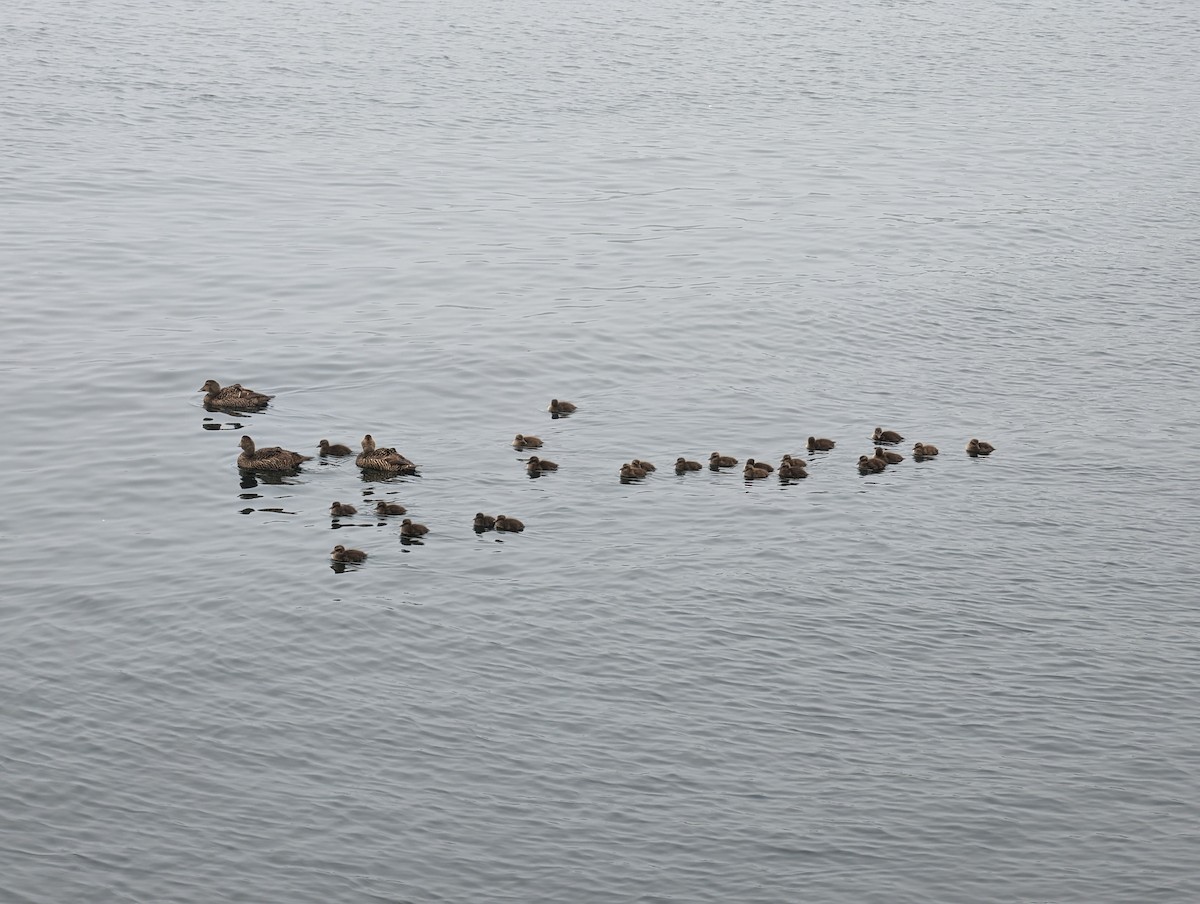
(372, 458)
(792, 472)
(629, 471)
(792, 462)
(236, 397)
(526, 442)
(273, 458)
(924, 450)
(751, 463)
(342, 554)
(409, 528)
(557, 407)
(484, 522)
(717, 460)
(682, 465)
(338, 510)
(540, 464)
(750, 472)
(503, 522)
(892, 458)
(644, 465)
(337, 449)
(383, 507)
(870, 464)
(820, 444)
(979, 447)
(887, 437)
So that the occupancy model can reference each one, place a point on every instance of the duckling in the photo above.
(334, 449)
(503, 522)
(887, 437)
(750, 472)
(557, 407)
(629, 471)
(717, 460)
(389, 508)
(792, 472)
(892, 458)
(389, 460)
(792, 462)
(236, 397)
(338, 510)
(342, 554)
(820, 444)
(751, 463)
(644, 465)
(979, 447)
(484, 522)
(272, 458)
(540, 464)
(682, 465)
(870, 464)
(924, 450)
(526, 442)
(409, 528)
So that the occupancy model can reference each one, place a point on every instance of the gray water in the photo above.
(713, 226)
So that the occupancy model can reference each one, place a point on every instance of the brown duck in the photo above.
(892, 458)
(557, 407)
(521, 441)
(338, 510)
(682, 465)
(409, 528)
(820, 444)
(717, 460)
(924, 450)
(272, 458)
(644, 465)
(484, 522)
(503, 522)
(342, 554)
(235, 397)
(630, 472)
(328, 448)
(751, 463)
(388, 460)
(382, 507)
(540, 464)
(870, 464)
(750, 472)
(979, 447)
(792, 472)
(888, 437)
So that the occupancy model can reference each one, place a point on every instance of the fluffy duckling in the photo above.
(409, 528)
(372, 458)
(793, 462)
(521, 441)
(979, 447)
(682, 465)
(336, 449)
(540, 464)
(342, 554)
(629, 471)
(272, 458)
(338, 510)
(557, 407)
(792, 473)
(820, 444)
(236, 397)
(751, 463)
(483, 522)
(383, 507)
(870, 464)
(892, 458)
(924, 450)
(717, 460)
(503, 522)
(750, 472)
(888, 437)
(644, 465)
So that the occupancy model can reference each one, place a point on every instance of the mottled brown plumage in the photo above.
(272, 458)
(388, 460)
(235, 397)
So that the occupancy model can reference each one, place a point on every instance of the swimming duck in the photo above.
(540, 464)
(409, 528)
(751, 463)
(389, 460)
(236, 397)
(717, 460)
(337, 510)
(503, 522)
(682, 465)
(792, 472)
(892, 458)
(557, 407)
(631, 472)
(793, 462)
(328, 448)
(924, 450)
(389, 508)
(272, 458)
(526, 442)
(644, 465)
(342, 554)
(750, 472)
(888, 437)
(870, 464)
(484, 522)
(978, 447)
(820, 444)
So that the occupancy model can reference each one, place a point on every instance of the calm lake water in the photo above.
(713, 226)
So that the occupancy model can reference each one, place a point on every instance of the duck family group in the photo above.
(386, 461)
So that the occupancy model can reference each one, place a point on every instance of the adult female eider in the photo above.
(235, 397)
(387, 460)
(272, 458)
